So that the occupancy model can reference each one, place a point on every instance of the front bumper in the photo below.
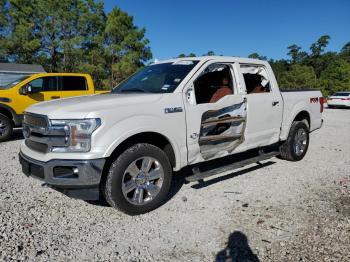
(74, 178)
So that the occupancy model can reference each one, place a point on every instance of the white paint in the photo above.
(124, 115)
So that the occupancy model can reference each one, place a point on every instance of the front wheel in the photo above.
(6, 128)
(297, 143)
(138, 180)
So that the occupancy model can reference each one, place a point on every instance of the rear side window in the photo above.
(72, 83)
(341, 94)
(256, 79)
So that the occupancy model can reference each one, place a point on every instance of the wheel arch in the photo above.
(7, 111)
(303, 115)
(150, 137)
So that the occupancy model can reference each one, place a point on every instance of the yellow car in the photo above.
(26, 91)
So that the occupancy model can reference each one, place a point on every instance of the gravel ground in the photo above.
(282, 211)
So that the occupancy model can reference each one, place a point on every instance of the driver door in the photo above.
(45, 89)
(214, 129)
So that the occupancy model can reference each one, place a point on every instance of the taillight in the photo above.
(321, 104)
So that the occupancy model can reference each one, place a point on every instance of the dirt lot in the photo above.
(282, 211)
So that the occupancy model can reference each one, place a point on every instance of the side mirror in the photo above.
(25, 90)
(28, 89)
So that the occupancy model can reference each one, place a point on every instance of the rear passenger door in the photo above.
(69, 86)
(265, 105)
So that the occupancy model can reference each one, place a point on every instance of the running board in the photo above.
(197, 175)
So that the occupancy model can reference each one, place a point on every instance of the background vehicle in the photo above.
(28, 90)
(339, 99)
(126, 144)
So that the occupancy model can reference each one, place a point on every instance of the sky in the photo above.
(237, 27)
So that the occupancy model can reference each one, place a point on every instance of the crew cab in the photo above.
(28, 90)
(125, 145)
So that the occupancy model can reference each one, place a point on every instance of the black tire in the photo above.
(6, 128)
(113, 185)
(330, 107)
(289, 149)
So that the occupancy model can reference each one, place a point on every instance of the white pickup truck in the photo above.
(125, 145)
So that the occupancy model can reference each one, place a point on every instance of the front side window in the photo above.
(158, 78)
(44, 84)
(73, 83)
(214, 83)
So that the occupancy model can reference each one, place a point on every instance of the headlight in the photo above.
(79, 134)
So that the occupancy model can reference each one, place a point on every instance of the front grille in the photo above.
(38, 121)
(41, 136)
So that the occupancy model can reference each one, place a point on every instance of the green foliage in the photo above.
(257, 56)
(318, 47)
(345, 52)
(279, 67)
(298, 76)
(209, 53)
(184, 55)
(336, 77)
(73, 36)
(328, 71)
(296, 55)
(126, 48)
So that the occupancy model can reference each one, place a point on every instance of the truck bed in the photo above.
(300, 90)
(299, 100)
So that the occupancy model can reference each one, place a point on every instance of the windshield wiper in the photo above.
(134, 90)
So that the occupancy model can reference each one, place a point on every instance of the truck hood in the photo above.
(80, 107)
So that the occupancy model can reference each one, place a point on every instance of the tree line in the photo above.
(328, 71)
(73, 36)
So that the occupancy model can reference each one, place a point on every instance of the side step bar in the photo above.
(197, 175)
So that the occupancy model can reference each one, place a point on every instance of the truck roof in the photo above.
(222, 58)
(60, 74)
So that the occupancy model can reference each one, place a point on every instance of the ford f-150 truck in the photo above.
(125, 145)
(28, 90)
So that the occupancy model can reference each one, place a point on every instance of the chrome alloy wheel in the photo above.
(300, 140)
(142, 180)
(3, 128)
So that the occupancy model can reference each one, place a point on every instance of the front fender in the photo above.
(114, 135)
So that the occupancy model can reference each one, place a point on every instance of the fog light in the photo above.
(65, 172)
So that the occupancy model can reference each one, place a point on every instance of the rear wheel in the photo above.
(138, 180)
(6, 128)
(297, 143)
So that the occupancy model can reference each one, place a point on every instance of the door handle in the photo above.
(275, 103)
(55, 97)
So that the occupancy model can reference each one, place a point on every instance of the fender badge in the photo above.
(169, 110)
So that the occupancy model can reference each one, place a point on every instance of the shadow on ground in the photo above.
(16, 135)
(179, 178)
(237, 249)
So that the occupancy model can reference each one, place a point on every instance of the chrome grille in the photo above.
(38, 121)
(41, 136)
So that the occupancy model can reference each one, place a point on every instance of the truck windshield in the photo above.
(158, 78)
(15, 82)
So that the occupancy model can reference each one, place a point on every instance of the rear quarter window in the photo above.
(73, 83)
(341, 94)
